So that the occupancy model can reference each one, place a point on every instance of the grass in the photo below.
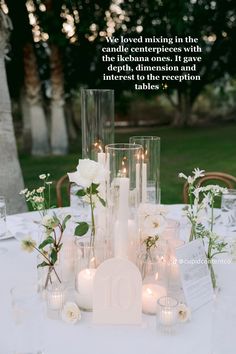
(210, 148)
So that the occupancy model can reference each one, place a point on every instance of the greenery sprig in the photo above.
(92, 196)
(50, 247)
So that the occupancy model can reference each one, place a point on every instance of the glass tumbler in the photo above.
(167, 314)
(228, 208)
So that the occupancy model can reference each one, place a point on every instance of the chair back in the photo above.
(229, 181)
(63, 180)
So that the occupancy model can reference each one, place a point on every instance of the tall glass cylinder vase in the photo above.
(150, 167)
(97, 120)
(123, 197)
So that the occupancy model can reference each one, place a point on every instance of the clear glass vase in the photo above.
(88, 259)
(47, 275)
(167, 314)
(97, 121)
(152, 266)
(151, 192)
(123, 197)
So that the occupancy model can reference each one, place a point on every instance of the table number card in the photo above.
(195, 275)
(117, 293)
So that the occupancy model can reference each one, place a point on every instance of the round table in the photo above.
(17, 268)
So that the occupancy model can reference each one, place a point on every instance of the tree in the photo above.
(11, 181)
(212, 22)
(24, 71)
(38, 123)
(51, 23)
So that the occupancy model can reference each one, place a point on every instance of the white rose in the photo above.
(153, 224)
(184, 313)
(71, 313)
(88, 172)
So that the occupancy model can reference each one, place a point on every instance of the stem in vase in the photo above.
(212, 214)
(213, 276)
(192, 233)
(51, 268)
(92, 238)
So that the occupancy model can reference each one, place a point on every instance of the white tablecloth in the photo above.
(17, 267)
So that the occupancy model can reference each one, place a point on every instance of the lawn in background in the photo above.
(210, 148)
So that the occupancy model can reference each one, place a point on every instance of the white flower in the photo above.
(182, 175)
(24, 191)
(40, 190)
(28, 244)
(190, 179)
(49, 222)
(206, 200)
(153, 224)
(184, 313)
(28, 194)
(71, 313)
(196, 192)
(43, 176)
(38, 199)
(214, 189)
(198, 173)
(48, 183)
(88, 172)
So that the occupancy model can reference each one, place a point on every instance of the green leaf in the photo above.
(53, 256)
(81, 229)
(67, 218)
(43, 264)
(46, 242)
(94, 188)
(102, 201)
(81, 193)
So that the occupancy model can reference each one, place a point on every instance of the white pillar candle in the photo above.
(138, 175)
(85, 280)
(144, 182)
(150, 294)
(121, 232)
(102, 158)
(84, 286)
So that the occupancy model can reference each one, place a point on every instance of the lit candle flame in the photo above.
(123, 167)
(98, 146)
(145, 156)
(92, 262)
(149, 291)
(156, 276)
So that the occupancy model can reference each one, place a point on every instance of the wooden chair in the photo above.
(63, 180)
(229, 181)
